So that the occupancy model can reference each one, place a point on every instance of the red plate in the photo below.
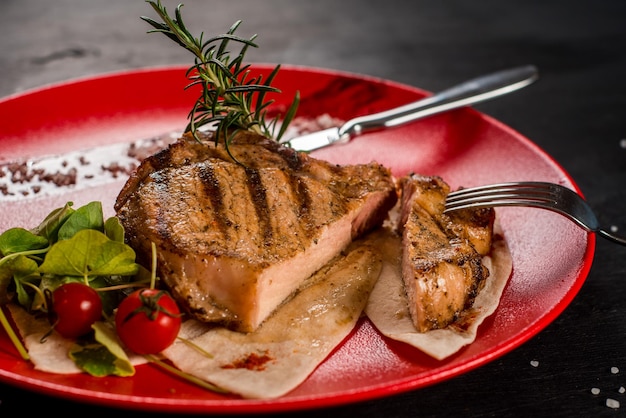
(465, 147)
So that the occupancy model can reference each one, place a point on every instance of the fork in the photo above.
(543, 195)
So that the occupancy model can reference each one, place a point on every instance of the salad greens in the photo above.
(71, 245)
(101, 357)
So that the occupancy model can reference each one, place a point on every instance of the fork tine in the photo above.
(541, 195)
(550, 196)
(530, 194)
(536, 187)
(501, 200)
(505, 194)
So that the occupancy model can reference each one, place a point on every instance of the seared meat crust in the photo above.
(441, 253)
(235, 238)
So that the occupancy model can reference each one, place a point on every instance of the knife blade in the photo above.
(473, 91)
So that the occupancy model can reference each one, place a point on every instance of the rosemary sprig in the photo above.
(230, 98)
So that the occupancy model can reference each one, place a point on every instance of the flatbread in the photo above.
(388, 309)
(51, 356)
(291, 343)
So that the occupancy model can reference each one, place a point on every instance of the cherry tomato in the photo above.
(75, 307)
(147, 321)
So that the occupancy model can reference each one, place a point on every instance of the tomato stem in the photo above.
(195, 347)
(154, 266)
(13, 336)
(138, 283)
(185, 376)
(41, 294)
(150, 306)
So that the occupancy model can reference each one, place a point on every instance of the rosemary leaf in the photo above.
(230, 99)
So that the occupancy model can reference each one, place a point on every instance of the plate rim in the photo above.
(314, 401)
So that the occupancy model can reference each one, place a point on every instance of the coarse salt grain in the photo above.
(534, 363)
(621, 389)
(612, 403)
(614, 370)
(622, 143)
(595, 391)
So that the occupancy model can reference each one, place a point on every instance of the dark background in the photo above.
(576, 112)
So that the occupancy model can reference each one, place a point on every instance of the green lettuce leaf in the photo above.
(18, 240)
(102, 357)
(49, 227)
(113, 229)
(89, 253)
(86, 217)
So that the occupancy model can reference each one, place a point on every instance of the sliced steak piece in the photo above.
(237, 232)
(441, 254)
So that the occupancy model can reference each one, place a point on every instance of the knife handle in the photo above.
(469, 92)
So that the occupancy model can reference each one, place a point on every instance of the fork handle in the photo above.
(611, 237)
(469, 92)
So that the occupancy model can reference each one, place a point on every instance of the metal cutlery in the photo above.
(469, 92)
(543, 195)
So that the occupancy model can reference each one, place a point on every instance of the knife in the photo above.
(103, 164)
(469, 92)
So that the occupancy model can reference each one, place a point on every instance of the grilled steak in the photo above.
(238, 230)
(441, 254)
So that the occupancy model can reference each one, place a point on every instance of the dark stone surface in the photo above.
(576, 112)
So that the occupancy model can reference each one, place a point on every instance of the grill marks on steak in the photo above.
(441, 254)
(235, 240)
